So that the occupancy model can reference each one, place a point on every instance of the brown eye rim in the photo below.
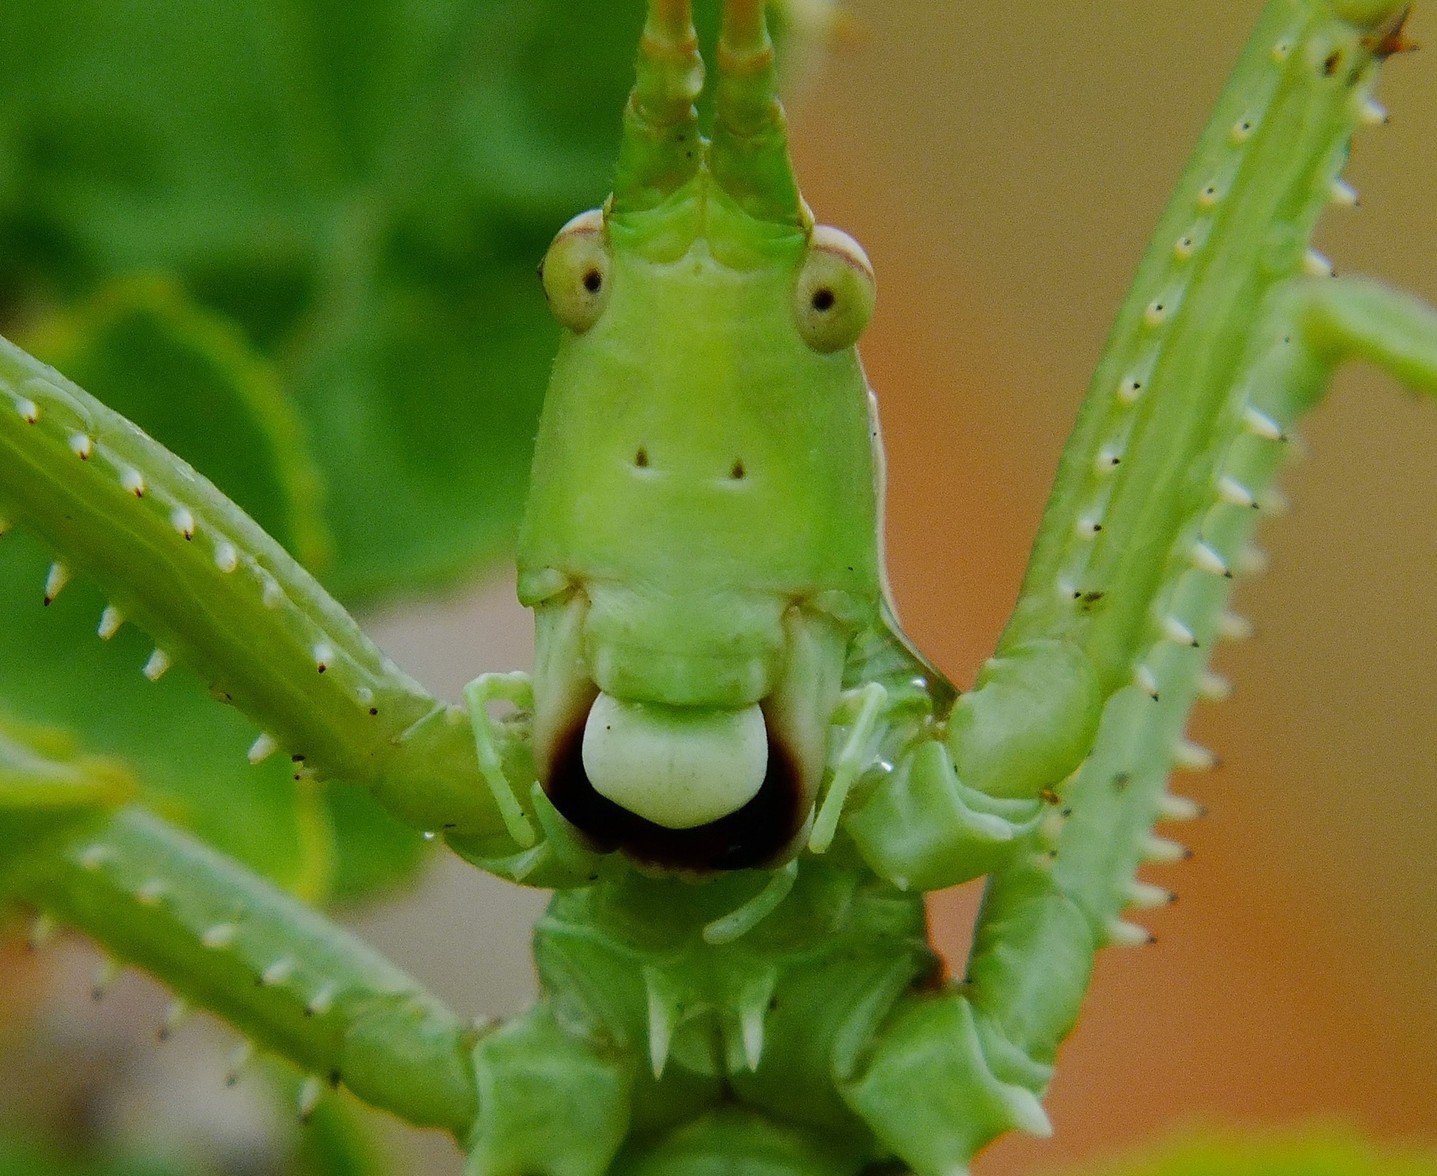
(587, 225)
(834, 292)
(576, 272)
(837, 243)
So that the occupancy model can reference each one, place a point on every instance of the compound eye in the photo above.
(833, 299)
(576, 271)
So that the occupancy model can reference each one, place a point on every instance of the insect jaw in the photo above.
(754, 833)
(697, 784)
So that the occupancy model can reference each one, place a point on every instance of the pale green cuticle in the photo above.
(787, 1012)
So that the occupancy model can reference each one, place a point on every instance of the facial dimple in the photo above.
(641, 458)
(738, 473)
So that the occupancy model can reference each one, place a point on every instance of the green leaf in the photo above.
(364, 188)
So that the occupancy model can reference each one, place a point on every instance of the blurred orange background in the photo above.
(1004, 164)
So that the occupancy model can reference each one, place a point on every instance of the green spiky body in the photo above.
(728, 762)
(762, 1021)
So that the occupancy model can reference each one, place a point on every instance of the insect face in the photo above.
(699, 544)
(702, 513)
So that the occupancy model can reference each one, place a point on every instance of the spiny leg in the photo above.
(979, 1054)
(1218, 351)
(228, 941)
(1133, 535)
(184, 563)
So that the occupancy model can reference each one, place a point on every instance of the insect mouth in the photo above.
(753, 833)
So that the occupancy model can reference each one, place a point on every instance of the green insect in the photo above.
(734, 770)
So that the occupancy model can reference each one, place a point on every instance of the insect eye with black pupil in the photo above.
(575, 272)
(833, 298)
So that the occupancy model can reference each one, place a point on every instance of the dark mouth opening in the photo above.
(747, 837)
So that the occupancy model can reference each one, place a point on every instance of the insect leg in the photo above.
(228, 941)
(552, 1103)
(860, 709)
(964, 792)
(982, 1052)
(950, 1070)
(925, 829)
(1337, 319)
(516, 688)
(183, 562)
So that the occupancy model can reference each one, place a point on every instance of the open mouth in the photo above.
(753, 834)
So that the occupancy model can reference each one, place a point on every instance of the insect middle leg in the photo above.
(551, 1103)
(952, 1069)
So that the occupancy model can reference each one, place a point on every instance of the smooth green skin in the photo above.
(823, 1019)
(694, 588)
(699, 364)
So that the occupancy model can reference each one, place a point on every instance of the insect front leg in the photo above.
(554, 855)
(962, 795)
(1222, 345)
(551, 1102)
(516, 688)
(953, 1069)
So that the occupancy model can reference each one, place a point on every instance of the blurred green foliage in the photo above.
(361, 189)
(296, 242)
